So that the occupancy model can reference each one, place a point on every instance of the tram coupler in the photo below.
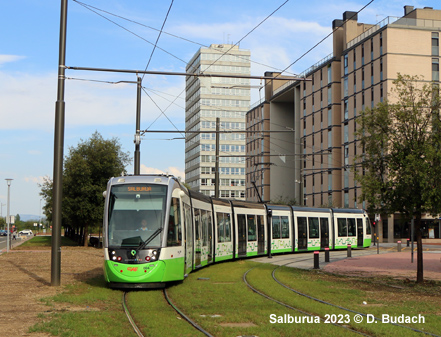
(349, 250)
(316, 260)
(326, 254)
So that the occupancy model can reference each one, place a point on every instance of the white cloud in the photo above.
(10, 58)
(35, 180)
(170, 170)
(28, 101)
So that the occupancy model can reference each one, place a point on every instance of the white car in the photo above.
(26, 232)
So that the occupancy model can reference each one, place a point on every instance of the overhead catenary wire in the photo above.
(157, 39)
(95, 9)
(129, 31)
(252, 30)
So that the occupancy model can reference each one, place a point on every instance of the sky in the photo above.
(121, 34)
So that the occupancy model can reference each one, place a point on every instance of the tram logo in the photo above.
(133, 252)
(132, 268)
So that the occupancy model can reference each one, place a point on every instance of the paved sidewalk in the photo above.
(366, 262)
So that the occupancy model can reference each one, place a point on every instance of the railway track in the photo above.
(138, 331)
(297, 309)
(321, 301)
(343, 308)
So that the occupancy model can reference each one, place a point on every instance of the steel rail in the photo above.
(296, 309)
(129, 316)
(189, 320)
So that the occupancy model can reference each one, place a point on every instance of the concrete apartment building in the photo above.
(311, 164)
(208, 98)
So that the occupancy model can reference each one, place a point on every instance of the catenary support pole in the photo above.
(216, 169)
(58, 153)
(137, 162)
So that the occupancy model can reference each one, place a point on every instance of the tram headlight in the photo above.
(147, 258)
(119, 258)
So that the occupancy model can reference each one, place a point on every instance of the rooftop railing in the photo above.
(395, 21)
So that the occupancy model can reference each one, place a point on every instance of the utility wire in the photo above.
(322, 40)
(157, 39)
(162, 112)
(252, 30)
(127, 30)
(87, 6)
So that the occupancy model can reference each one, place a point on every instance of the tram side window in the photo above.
(251, 228)
(204, 227)
(352, 229)
(276, 227)
(368, 226)
(314, 228)
(285, 227)
(174, 235)
(301, 224)
(223, 227)
(197, 221)
(342, 227)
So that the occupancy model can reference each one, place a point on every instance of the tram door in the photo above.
(207, 237)
(360, 237)
(188, 239)
(324, 233)
(302, 232)
(242, 234)
(261, 235)
(198, 236)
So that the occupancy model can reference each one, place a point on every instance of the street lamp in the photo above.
(8, 219)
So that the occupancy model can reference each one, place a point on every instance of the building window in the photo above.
(355, 60)
(435, 70)
(362, 78)
(355, 106)
(372, 49)
(346, 107)
(381, 92)
(329, 74)
(381, 43)
(345, 86)
(381, 69)
(435, 44)
(372, 73)
(362, 54)
(329, 95)
(346, 64)
(355, 82)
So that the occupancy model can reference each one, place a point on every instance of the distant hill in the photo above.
(28, 217)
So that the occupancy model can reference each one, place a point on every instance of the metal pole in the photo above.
(137, 163)
(316, 260)
(58, 152)
(8, 219)
(412, 239)
(216, 169)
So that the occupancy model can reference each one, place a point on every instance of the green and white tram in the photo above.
(156, 231)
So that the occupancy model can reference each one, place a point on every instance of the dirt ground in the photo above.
(25, 278)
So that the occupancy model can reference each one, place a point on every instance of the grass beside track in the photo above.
(219, 301)
(43, 242)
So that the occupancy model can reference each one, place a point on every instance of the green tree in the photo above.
(46, 193)
(87, 168)
(399, 170)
